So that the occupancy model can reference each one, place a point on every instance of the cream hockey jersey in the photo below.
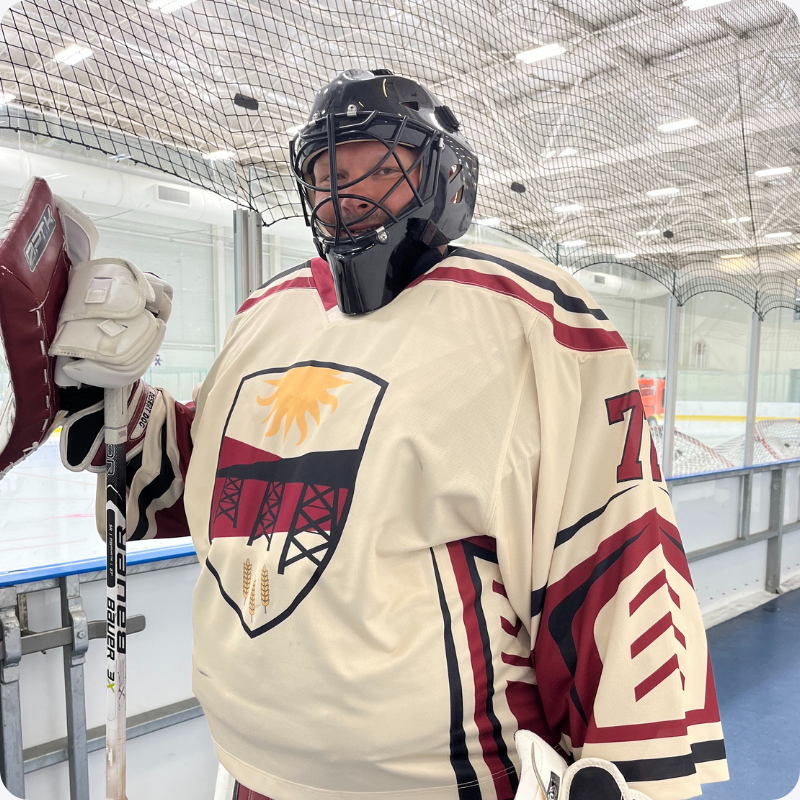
(424, 528)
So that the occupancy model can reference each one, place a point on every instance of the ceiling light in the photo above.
(568, 208)
(295, 129)
(696, 5)
(734, 220)
(568, 151)
(541, 53)
(678, 125)
(168, 6)
(548, 154)
(733, 255)
(73, 54)
(574, 243)
(488, 221)
(7, 98)
(670, 191)
(219, 155)
(624, 255)
(174, 6)
(651, 232)
(768, 173)
(778, 235)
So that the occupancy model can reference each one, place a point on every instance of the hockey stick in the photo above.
(116, 599)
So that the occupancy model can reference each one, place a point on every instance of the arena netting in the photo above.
(659, 134)
(775, 440)
(690, 456)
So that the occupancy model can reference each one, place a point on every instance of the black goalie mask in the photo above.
(374, 248)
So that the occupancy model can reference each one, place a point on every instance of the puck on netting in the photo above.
(669, 235)
(243, 101)
(517, 187)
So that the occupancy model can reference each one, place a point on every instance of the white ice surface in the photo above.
(47, 514)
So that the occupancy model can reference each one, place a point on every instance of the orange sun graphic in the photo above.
(299, 392)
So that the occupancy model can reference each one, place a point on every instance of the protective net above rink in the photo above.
(658, 134)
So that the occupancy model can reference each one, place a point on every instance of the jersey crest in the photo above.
(291, 450)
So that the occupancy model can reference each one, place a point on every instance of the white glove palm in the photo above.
(111, 324)
(546, 776)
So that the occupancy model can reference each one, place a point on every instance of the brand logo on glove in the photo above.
(291, 451)
(40, 238)
(552, 789)
(141, 425)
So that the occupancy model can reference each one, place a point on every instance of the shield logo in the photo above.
(290, 453)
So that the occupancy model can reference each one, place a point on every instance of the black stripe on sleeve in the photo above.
(657, 769)
(466, 778)
(155, 489)
(662, 769)
(283, 274)
(560, 622)
(673, 540)
(576, 701)
(566, 301)
(537, 601)
(471, 551)
(708, 751)
(132, 467)
(566, 534)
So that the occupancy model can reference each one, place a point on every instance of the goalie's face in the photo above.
(368, 197)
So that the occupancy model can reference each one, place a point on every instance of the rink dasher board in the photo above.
(88, 568)
(161, 587)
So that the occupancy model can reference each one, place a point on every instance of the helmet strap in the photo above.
(427, 232)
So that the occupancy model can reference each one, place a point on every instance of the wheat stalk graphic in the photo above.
(264, 588)
(252, 601)
(248, 571)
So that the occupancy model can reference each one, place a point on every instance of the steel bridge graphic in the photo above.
(324, 480)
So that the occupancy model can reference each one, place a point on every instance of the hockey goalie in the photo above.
(423, 494)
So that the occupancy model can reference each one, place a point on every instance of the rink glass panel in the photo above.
(713, 357)
(778, 409)
(638, 306)
(48, 512)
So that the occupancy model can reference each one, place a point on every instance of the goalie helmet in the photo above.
(371, 267)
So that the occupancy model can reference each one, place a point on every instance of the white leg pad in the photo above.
(225, 785)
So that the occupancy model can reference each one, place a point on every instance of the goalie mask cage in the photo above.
(658, 134)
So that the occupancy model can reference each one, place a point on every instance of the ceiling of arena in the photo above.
(577, 133)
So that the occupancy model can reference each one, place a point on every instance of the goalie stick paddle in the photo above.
(116, 586)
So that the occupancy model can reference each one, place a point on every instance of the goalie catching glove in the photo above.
(43, 238)
(546, 776)
(111, 324)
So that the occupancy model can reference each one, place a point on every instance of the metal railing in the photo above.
(776, 528)
(73, 637)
